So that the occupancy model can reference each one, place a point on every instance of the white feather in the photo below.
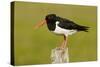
(62, 31)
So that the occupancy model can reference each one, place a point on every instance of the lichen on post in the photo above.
(59, 55)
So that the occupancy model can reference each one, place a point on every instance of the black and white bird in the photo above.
(62, 26)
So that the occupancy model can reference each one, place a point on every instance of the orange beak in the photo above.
(38, 25)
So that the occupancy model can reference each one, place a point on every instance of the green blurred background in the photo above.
(33, 46)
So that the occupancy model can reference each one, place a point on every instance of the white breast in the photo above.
(61, 31)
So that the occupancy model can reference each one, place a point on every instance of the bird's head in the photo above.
(48, 18)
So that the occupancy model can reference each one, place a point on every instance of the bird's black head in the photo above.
(50, 17)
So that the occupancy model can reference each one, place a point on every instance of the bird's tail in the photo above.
(83, 28)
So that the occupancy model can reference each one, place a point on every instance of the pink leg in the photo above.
(64, 44)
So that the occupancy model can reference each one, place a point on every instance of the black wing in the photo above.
(68, 24)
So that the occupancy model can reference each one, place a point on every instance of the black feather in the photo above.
(83, 28)
(68, 24)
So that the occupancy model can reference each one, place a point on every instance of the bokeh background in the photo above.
(33, 46)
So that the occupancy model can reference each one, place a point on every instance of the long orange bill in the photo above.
(38, 25)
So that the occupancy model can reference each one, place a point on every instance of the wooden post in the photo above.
(59, 55)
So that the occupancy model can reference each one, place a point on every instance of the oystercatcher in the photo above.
(62, 26)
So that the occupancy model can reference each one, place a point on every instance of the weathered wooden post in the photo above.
(59, 55)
